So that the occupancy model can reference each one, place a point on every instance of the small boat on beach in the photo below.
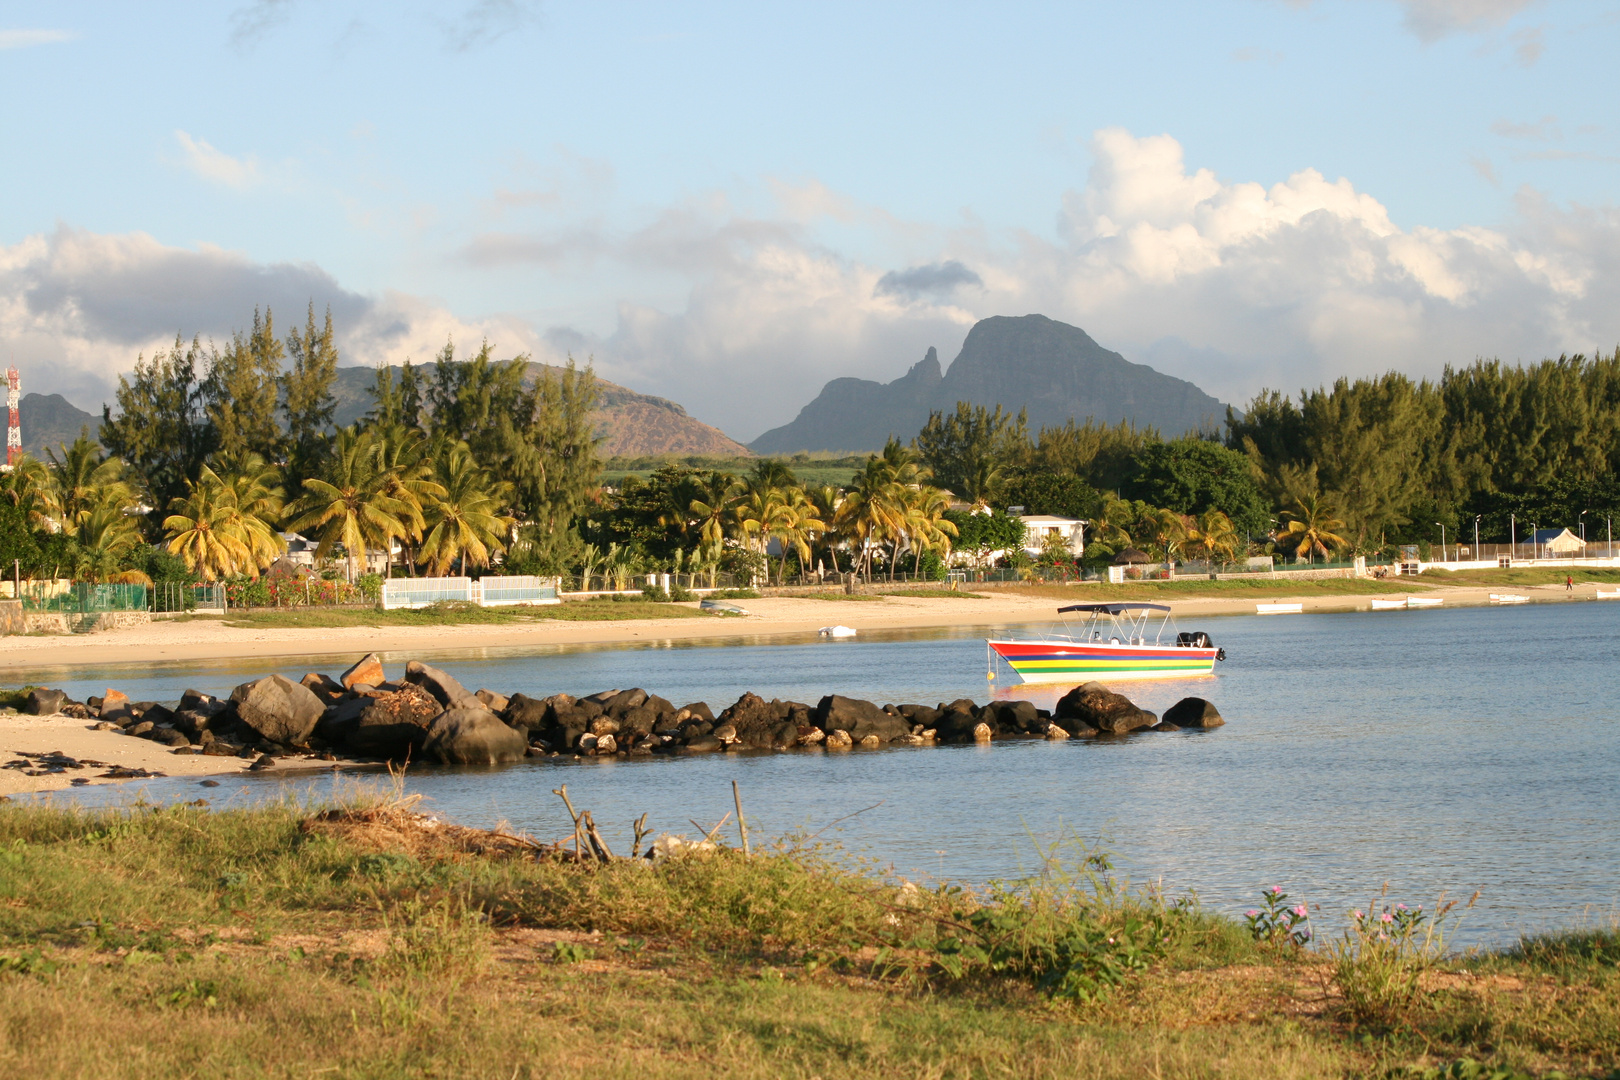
(1601, 595)
(1114, 642)
(1279, 609)
(837, 631)
(1508, 598)
(1388, 605)
(1423, 601)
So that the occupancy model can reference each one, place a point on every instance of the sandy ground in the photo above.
(20, 657)
(77, 739)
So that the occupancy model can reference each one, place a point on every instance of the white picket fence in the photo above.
(486, 592)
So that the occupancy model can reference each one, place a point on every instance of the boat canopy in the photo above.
(1113, 609)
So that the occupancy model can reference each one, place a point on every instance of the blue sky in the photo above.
(728, 204)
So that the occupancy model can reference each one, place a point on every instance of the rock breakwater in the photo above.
(427, 714)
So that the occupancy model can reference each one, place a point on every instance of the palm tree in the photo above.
(350, 504)
(82, 479)
(590, 557)
(926, 524)
(828, 503)
(464, 524)
(714, 506)
(202, 529)
(27, 484)
(253, 488)
(1215, 535)
(795, 527)
(1311, 527)
(405, 461)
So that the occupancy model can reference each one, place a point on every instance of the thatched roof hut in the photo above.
(1130, 556)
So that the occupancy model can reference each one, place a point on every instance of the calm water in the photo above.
(1438, 750)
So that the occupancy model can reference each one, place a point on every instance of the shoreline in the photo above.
(770, 617)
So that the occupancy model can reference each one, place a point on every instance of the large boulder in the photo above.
(1193, 712)
(395, 724)
(44, 702)
(473, 737)
(858, 718)
(323, 686)
(758, 724)
(528, 714)
(339, 723)
(1099, 708)
(449, 693)
(367, 672)
(278, 709)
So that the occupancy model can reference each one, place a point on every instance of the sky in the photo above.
(728, 204)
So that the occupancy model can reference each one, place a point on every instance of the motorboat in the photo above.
(1109, 642)
(1279, 609)
(837, 631)
(1388, 605)
(1424, 601)
(1508, 598)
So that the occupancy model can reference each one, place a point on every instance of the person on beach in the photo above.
(1569, 583)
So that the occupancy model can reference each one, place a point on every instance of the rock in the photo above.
(158, 714)
(764, 725)
(394, 724)
(140, 727)
(328, 689)
(956, 724)
(264, 761)
(982, 733)
(872, 742)
(1193, 712)
(445, 689)
(208, 783)
(494, 702)
(622, 702)
(369, 670)
(183, 748)
(105, 725)
(640, 720)
(168, 736)
(278, 709)
(703, 744)
(114, 699)
(193, 722)
(473, 736)
(921, 716)
(607, 744)
(1020, 717)
(909, 740)
(859, 718)
(197, 701)
(698, 709)
(221, 748)
(74, 710)
(1164, 725)
(726, 733)
(1053, 731)
(1099, 708)
(811, 737)
(44, 702)
(838, 739)
(586, 743)
(603, 725)
(530, 714)
(339, 722)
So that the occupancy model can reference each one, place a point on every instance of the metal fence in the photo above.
(82, 597)
(503, 591)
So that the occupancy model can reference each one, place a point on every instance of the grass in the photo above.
(1522, 575)
(262, 942)
(1196, 589)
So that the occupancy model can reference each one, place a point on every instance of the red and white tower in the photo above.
(14, 432)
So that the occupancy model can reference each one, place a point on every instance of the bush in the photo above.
(370, 586)
(655, 593)
(932, 567)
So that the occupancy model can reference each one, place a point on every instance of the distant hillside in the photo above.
(1054, 370)
(633, 424)
(51, 420)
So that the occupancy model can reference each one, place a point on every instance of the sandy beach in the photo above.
(22, 657)
(77, 739)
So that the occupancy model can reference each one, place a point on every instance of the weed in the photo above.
(1275, 923)
(193, 992)
(571, 952)
(31, 962)
(448, 939)
(1384, 953)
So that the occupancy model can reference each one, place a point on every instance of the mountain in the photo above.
(51, 420)
(632, 424)
(1054, 370)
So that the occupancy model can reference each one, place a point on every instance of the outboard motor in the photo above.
(1197, 639)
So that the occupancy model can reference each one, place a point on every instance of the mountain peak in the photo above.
(1051, 369)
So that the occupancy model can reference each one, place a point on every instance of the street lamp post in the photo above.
(1442, 541)
(1535, 540)
(1580, 520)
(1476, 534)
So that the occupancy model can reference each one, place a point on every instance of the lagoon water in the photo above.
(1440, 751)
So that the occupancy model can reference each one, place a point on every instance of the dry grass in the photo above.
(361, 941)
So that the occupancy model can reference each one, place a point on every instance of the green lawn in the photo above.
(604, 609)
(153, 943)
(1258, 588)
(1523, 575)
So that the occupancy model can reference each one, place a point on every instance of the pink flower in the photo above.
(1300, 911)
(1357, 914)
(1276, 888)
(1386, 917)
(1251, 913)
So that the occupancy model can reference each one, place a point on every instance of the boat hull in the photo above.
(1078, 662)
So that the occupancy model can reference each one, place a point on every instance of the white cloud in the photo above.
(1432, 20)
(217, 166)
(24, 39)
(1234, 284)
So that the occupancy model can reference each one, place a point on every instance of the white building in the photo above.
(1039, 527)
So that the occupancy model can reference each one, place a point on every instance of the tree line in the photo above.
(212, 454)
